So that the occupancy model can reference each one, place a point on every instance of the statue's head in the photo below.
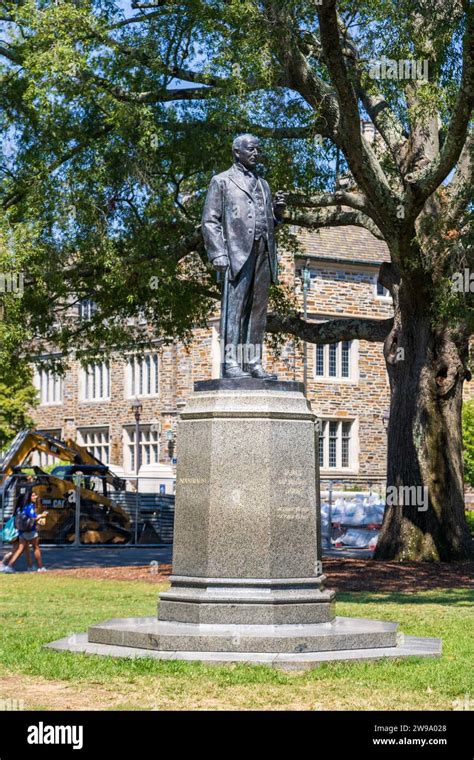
(245, 149)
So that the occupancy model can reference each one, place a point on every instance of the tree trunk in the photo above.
(424, 518)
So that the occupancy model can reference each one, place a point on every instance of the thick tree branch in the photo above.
(11, 55)
(384, 119)
(137, 19)
(356, 201)
(327, 218)
(158, 65)
(460, 188)
(362, 160)
(425, 181)
(382, 116)
(333, 331)
(166, 95)
(389, 276)
(151, 96)
(190, 243)
(156, 4)
(198, 77)
(289, 48)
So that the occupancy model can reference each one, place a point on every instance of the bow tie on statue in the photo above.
(251, 181)
(250, 177)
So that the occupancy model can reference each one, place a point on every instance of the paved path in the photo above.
(65, 557)
(68, 557)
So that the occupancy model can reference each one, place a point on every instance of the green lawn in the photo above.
(37, 609)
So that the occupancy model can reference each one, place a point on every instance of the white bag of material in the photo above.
(358, 538)
(355, 511)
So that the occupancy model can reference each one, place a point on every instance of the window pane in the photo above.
(345, 358)
(332, 360)
(333, 444)
(148, 446)
(96, 382)
(322, 431)
(144, 375)
(87, 308)
(320, 360)
(97, 442)
(346, 437)
(148, 374)
(155, 366)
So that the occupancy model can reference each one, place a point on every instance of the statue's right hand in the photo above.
(221, 263)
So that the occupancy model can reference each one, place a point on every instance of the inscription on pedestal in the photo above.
(292, 484)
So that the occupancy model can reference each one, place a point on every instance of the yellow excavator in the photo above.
(101, 521)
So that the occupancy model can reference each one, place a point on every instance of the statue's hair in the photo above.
(240, 138)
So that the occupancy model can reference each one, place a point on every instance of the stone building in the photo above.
(347, 383)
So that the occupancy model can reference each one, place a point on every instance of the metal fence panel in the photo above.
(151, 513)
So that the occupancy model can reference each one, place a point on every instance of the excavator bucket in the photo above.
(101, 521)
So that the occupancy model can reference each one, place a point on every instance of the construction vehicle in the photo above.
(79, 473)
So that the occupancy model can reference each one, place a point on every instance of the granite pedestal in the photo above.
(247, 581)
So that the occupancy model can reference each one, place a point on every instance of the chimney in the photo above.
(368, 130)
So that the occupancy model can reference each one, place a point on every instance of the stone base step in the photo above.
(247, 601)
(340, 634)
(412, 646)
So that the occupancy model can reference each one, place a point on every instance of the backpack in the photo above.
(24, 523)
(9, 532)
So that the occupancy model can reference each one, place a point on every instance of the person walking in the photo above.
(26, 522)
(15, 543)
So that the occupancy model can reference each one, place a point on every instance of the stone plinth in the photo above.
(247, 584)
(246, 535)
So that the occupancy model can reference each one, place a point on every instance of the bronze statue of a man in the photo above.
(238, 226)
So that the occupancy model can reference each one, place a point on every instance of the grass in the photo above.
(38, 609)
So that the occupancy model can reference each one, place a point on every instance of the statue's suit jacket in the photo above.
(228, 221)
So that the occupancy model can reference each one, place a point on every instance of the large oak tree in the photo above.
(114, 121)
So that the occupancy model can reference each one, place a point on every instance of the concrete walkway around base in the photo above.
(69, 557)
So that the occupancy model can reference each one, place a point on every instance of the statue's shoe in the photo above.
(235, 372)
(258, 371)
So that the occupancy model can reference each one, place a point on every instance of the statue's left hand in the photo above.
(279, 200)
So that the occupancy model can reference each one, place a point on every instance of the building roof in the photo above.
(351, 244)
